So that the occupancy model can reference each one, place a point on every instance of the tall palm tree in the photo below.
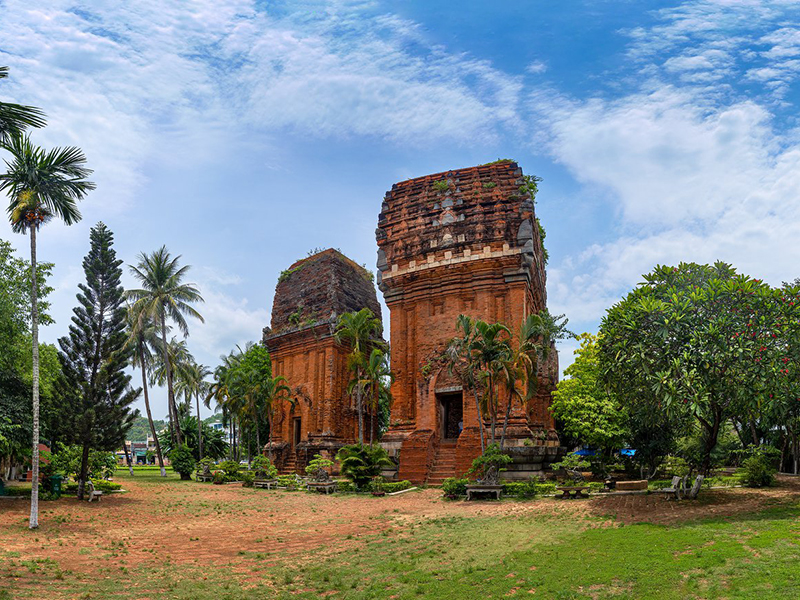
(192, 384)
(460, 361)
(375, 382)
(16, 118)
(142, 336)
(41, 185)
(361, 331)
(272, 390)
(163, 296)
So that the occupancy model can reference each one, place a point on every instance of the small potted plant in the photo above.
(377, 486)
(219, 478)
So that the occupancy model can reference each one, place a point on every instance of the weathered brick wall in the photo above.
(308, 302)
(460, 242)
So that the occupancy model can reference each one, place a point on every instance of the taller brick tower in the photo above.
(460, 242)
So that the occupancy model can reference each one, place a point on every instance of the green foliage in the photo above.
(583, 408)
(263, 467)
(318, 463)
(290, 482)
(101, 485)
(455, 486)
(573, 462)
(361, 462)
(140, 428)
(542, 236)
(66, 460)
(391, 487)
(183, 461)
(219, 477)
(248, 478)
(215, 445)
(489, 185)
(286, 273)
(231, 469)
(758, 469)
(675, 466)
(492, 458)
(441, 185)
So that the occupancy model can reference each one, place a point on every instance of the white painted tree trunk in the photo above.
(34, 520)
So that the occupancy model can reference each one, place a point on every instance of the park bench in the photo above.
(573, 491)
(91, 492)
(484, 488)
(265, 483)
(692, 494)
(675, 489)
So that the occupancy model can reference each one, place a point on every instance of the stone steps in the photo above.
(444, 465)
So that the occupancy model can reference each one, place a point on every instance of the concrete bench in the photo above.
(322, 487)
(91, 492)
(575, 491)
(495, 490)
(265, 483)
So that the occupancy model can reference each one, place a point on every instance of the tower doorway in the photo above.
(452, 412)
(296, 431)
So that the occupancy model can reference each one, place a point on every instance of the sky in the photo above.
(243, 134)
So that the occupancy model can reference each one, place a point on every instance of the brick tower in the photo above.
(310, 297)
(461, 242)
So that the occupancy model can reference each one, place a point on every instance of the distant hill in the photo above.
(141, 429)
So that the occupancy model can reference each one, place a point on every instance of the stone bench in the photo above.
(495, 490)
(575, 491)
(265, 483)
(322, 487)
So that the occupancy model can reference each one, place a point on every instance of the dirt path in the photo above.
(201, 524)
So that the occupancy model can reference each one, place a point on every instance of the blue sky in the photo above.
(242, 134)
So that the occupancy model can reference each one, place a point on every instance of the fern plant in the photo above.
(361, 462)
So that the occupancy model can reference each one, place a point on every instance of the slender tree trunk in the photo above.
(34, 518)
(710, 444)
(360, 409)
(127, 456)
(269, 436)
(150, 414)
(199, 429)
(84, 471)
(505, 421)
(493, 406)
(480, 419)
(170, 391)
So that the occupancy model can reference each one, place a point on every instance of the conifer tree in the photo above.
(95, 391)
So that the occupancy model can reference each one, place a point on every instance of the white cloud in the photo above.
(536, 67)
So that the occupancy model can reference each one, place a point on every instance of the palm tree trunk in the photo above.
(176, 428)
(150, 414)
(199, 429)
(127, 456)
(505, 421)
(360, 409)
(269, 442)
(34, 518)
(480, 419)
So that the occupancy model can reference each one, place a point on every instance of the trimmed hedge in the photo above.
(389, 486)
(101, 485)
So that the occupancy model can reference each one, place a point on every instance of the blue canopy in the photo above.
(627, 452)
(584, 452)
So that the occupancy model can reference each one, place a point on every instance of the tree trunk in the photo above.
(176, 428)
(127, 456)
(199, 429)
(84, 471)
(505, 421)
(34, 518)
(150, 414)
(359, 408)
(269, 438)
(493, 407)
(710, 444)
(480, 419)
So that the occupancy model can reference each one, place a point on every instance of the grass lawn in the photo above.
(184, 540)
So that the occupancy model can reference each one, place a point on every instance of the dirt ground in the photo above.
(203, 524)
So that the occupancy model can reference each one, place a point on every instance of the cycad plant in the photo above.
(361, 462)
(41, 185)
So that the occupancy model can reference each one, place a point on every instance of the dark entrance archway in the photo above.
(451, 406)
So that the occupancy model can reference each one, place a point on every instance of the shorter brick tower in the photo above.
(460, 242)
(310, 297)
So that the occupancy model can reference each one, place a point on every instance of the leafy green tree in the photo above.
(192, 384)
(686, 342)
(15, 119)
(183, 461)
(584, 408)
(215, 446)
(41, 185)
(164, 296)
(361, 331)
(94, 390)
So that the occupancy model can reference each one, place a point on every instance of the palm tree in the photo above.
(361, 330)
(163, 296)
(41, 185)
(16, 118)
(192, 384)
(459, 360)
(375, 382)
(273, 389)
(142, 336)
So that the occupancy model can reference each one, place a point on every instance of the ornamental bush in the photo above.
(263, 467)
(455, 486)
(231, 469)
(182, 461)
(361, 462)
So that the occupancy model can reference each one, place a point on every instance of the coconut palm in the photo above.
(375, 382)
(143, 337)
(16, 118)
(41, 185)
(271, 391)
(192, 384)
(361, 331)
(164, 296)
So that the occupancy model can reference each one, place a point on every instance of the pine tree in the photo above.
(94, 389)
